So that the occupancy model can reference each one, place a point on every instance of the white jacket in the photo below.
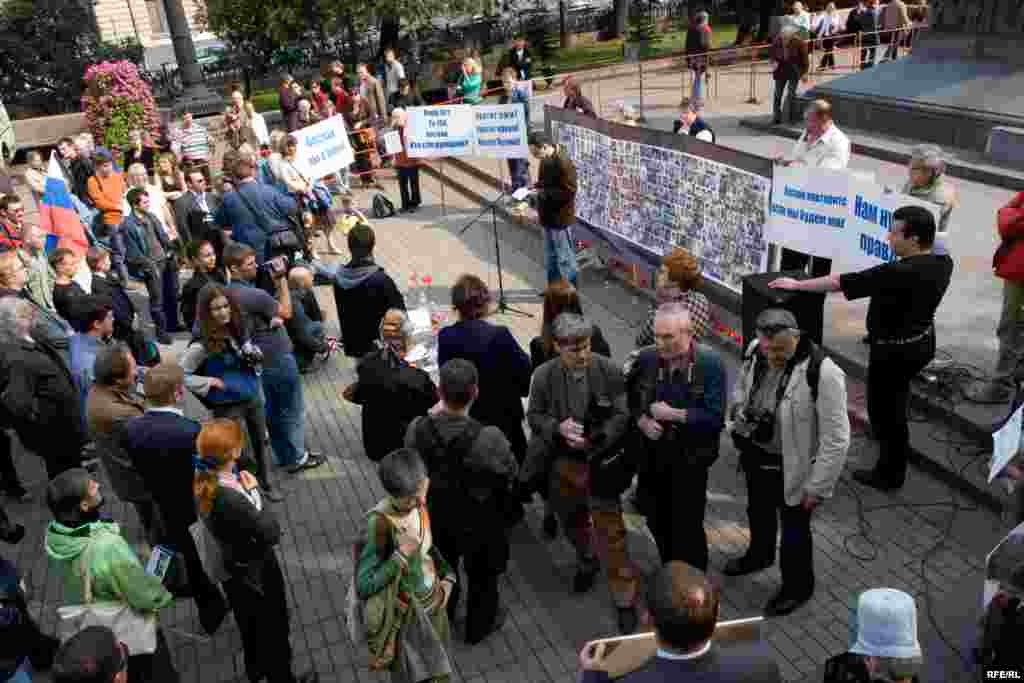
(815, 438)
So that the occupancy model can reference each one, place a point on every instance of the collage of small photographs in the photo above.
(660, 198)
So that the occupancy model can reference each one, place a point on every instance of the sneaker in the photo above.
(310, 461)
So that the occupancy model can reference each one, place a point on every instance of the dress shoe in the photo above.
(628, 620)
(500, 617)
(876, 481)
(212, 616)
(12, 533)
(740, 566)
(782, 604)
(274, 495)
(585, 577)
(550, 527)
(309, 462)
(990, 393)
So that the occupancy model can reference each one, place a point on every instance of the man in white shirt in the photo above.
(393, 73)
(822, 145)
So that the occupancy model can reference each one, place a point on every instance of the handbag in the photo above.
(286, 240)
(211, 555)
(241, 384)
(137, 630)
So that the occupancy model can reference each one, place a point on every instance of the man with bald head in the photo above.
(306, 326)
(677, 402)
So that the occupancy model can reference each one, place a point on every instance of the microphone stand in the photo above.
(503, 306)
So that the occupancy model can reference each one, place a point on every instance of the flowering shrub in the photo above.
(117, 101)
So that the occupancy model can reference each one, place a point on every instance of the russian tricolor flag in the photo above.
(57, 215)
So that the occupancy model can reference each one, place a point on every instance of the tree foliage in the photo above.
(45, 48)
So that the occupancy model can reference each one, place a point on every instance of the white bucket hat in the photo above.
(886, 625)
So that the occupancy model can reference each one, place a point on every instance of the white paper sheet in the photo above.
(521, 194)
(1005, 444)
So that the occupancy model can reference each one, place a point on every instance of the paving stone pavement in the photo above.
(862, 539)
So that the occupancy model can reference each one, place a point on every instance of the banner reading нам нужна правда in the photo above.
(834, 214)
(324, 147)
(485, 130)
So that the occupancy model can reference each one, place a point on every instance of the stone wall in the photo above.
(146, 19)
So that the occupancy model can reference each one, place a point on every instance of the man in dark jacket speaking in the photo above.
(363, 292)
(556, 207)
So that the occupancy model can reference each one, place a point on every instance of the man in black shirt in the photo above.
(901, 326)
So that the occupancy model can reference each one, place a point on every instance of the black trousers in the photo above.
(797, 260)
(261, 612)
(891, 367)
(8, 474)
(678, 497)
(828, 60)
(409, 186)
(253, 417)
(766, 504)
(151, 274)
(153, 668)
(484, 554)
(170, 288)
(867, 56)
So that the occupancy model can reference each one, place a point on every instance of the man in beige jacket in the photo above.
(372, 91)
(789, 422)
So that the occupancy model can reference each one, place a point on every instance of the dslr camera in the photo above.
(757, 426)
(598, 412)
(277, 266)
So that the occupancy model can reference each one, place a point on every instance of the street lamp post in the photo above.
(196, 97)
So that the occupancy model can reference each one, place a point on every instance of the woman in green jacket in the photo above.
(402, 583)
(470, 81)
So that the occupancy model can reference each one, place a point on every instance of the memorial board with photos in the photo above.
(659, 198)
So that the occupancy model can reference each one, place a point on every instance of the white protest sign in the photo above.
(810, 210)
(441, 131)
(1005, 444)
(871, 210)
(324, 148)
(392, 142)
(501, 131)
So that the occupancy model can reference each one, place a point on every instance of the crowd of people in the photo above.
(82, 382)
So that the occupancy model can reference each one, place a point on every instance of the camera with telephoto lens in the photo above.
(758, 426)
(277, 266)
(598, 412)
(251, 354)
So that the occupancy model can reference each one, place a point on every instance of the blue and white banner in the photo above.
(324, 148)
(440, 131)
(501, 131)
(834, 214)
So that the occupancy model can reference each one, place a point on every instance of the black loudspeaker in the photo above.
(808, 307)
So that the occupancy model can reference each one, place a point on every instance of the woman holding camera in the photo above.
(231, 507)
(221, 370)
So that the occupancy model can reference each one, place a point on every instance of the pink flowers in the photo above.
(117, 101)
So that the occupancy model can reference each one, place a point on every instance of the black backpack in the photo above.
(450, 482)
(382, 206)
(1002, 637)
(816, 356)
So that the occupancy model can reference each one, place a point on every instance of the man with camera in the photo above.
(578, 416)
(282, 385)
(677, 399)
(790, 426)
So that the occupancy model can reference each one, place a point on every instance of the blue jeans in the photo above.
(559, 255)
(697, 92)
(283, 390)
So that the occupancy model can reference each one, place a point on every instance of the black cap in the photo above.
(771, 321)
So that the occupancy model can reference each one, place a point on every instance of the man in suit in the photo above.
(162, 443)
(684, 604)
(372, 91)
(149, 256)
(578, 416)
(193, 210)
(517, 59)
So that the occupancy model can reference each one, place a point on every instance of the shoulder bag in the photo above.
(286, 240)
(137, 630)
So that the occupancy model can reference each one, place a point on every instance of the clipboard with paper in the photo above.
(625, 654)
